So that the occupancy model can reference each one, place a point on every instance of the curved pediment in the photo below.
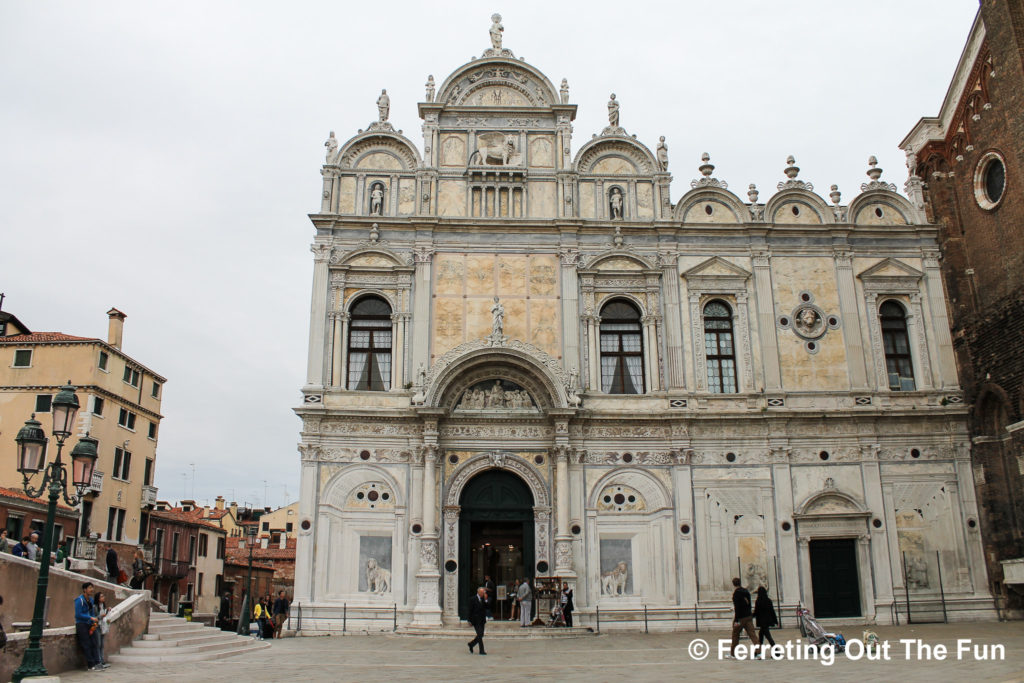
(797, 207)
(615, 156)
(369, 257)
(880, 207)
(831, 502)
(379, 152)
(497, 82)
(711, 205)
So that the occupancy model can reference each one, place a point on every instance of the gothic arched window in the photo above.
(369, 345)
(720, 348)
(896, 342)
(622, 356)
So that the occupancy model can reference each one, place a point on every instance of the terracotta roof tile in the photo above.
(44, 337)
(21, 495)
(191, 516)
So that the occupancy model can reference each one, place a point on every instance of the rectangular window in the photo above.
(156, 389)
(115, 524)
(13, 529)
(199, 583)
(174, 545)
(147, 473)
(158, 548)
(204, 541)
(192, 549)
(122, 464)
(275, 538)
(152, 430)
(126, 419)
(266, 526)
(104, 358)
(288, 527)
(188, 593)
(131, 376)
(43, 402)
(220, 548)
(97, 406)
(23, 358)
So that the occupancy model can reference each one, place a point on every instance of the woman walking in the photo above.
(764, 615)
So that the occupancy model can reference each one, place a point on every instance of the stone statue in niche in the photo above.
(613, 112)
(498, 325)
(614, 582)
(808, 322)
(377, 200)
(332, 147)
(615, 202)
(378, 578)
(563, 92)
(430, 88)
(662, 153)
(496, 30)
(383, 105)
(917, 572)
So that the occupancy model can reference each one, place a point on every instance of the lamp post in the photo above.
(32, 442)
(250, 535)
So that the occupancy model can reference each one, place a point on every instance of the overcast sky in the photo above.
(161, 157)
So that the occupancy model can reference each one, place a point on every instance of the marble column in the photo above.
(563, 536)
(852, 336)
(421, 312)
(761, 261)
(673, 324)
(325, 201)
(428, 604)
(945, 359)
(306, 539)
(336, 345)
(593, 352)
(570, 310)
(318, 317)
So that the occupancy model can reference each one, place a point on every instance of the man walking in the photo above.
(525, 597)
(743, 619)
(478, 617)
(113, 571)
(280, 613)
(85, 624)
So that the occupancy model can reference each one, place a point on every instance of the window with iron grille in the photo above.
(719, 348)
(369, 345)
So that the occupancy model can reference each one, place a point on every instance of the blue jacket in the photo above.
(83, 610)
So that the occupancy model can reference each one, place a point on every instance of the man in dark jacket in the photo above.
(113, 571)
(743, 618)
(478, 617)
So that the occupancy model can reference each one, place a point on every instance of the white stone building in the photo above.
(527, 359)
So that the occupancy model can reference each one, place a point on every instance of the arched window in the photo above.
(622, 356)
(369, 345)
(896, 342)
(719, 348)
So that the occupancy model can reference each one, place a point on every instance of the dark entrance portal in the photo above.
(495, 532)
(834, 581)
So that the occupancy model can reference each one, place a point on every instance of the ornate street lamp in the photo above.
(32, 442)
(251, 532)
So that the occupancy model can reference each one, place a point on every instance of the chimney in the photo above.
(234, 510)
(115, 329)
(219, 503)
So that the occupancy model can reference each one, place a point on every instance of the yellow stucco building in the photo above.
(120, 406)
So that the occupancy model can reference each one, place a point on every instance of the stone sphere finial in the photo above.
(791, 171)
(752, 193)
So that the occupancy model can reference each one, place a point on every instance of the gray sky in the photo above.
(161, 157)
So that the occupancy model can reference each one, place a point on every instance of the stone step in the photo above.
(174, 631)
(149, 641)
(214, 650)
(502, 632)
(241, 645)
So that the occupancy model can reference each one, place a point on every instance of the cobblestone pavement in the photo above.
(595, 659)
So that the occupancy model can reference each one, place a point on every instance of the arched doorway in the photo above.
(496, 535)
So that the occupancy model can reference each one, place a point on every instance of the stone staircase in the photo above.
(496, 629)
(172, 639)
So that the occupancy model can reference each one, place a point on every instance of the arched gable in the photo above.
(655, 496)
(725, 207)
(379, 151)
(831, 501)
(352, 300)
(615, 156)
(880, 207)
(618, 259)
(336, 492)
(810, 208)
(480, 77)
(376, 257)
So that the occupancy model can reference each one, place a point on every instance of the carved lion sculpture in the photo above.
(614, 582)
(498, 150)
(377, 578)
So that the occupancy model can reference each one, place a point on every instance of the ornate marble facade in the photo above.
(750, 435)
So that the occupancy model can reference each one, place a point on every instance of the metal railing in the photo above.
(713, 618)
(354, 614)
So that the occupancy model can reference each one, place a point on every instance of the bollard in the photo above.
(344, 617)
(645, 619)
(598, 612)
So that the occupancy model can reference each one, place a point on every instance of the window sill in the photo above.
(127, 429)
